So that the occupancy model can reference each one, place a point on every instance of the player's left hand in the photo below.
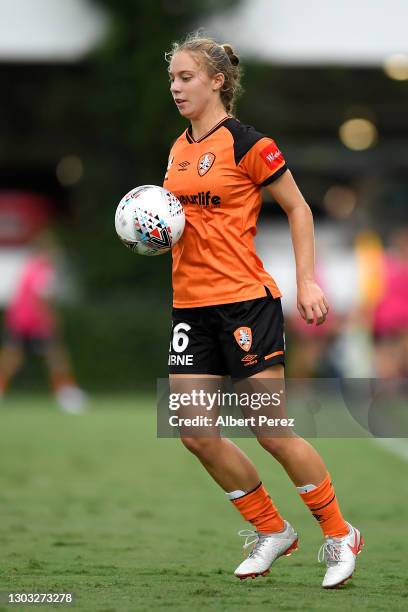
(311, 302)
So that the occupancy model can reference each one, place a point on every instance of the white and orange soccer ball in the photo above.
(149, 220)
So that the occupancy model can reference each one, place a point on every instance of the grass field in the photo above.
(99, 506)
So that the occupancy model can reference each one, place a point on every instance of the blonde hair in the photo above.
(215, 58)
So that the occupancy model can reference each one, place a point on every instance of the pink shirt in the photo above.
(28, 312)
(391, 314)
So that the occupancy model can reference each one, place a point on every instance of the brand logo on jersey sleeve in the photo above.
(272, 157)
(205, 163)
(243, 336)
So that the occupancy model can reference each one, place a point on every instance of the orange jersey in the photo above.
(218, 180)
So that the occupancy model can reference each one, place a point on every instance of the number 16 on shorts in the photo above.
(178, 345)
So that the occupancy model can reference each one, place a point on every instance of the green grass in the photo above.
(99, 506)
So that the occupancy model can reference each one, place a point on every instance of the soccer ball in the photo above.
(149, 220)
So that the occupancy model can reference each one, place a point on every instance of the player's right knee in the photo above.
(201, 446)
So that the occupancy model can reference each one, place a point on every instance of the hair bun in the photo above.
(234, 59)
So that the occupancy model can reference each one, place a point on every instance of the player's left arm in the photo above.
(311, 301)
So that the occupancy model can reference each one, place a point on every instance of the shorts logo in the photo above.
(243, 336)
(249, 360)
(205, 163)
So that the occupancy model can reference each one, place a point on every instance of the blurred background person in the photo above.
(376, 328)
(390, 313)
(32, 326)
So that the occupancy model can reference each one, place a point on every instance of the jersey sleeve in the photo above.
(264, 162)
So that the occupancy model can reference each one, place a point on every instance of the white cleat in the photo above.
(71, 399)
(267, 548)
(340, 556)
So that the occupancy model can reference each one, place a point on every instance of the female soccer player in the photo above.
(31, 324)
(227, 315)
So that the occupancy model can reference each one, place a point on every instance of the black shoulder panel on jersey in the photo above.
(244, 137)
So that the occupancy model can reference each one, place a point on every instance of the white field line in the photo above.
(396, 446)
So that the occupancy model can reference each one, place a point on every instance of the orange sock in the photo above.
(323, 505)
(258, 508)
(58, 381)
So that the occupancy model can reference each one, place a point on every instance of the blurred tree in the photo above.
(130, 101)
(114, 112)
(132, 123)
(135, 99)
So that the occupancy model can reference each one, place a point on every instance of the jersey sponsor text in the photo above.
(201, 198)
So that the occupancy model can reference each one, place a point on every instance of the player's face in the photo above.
(191, 87)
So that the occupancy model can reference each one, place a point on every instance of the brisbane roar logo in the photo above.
(243, 336)
(205, 163)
